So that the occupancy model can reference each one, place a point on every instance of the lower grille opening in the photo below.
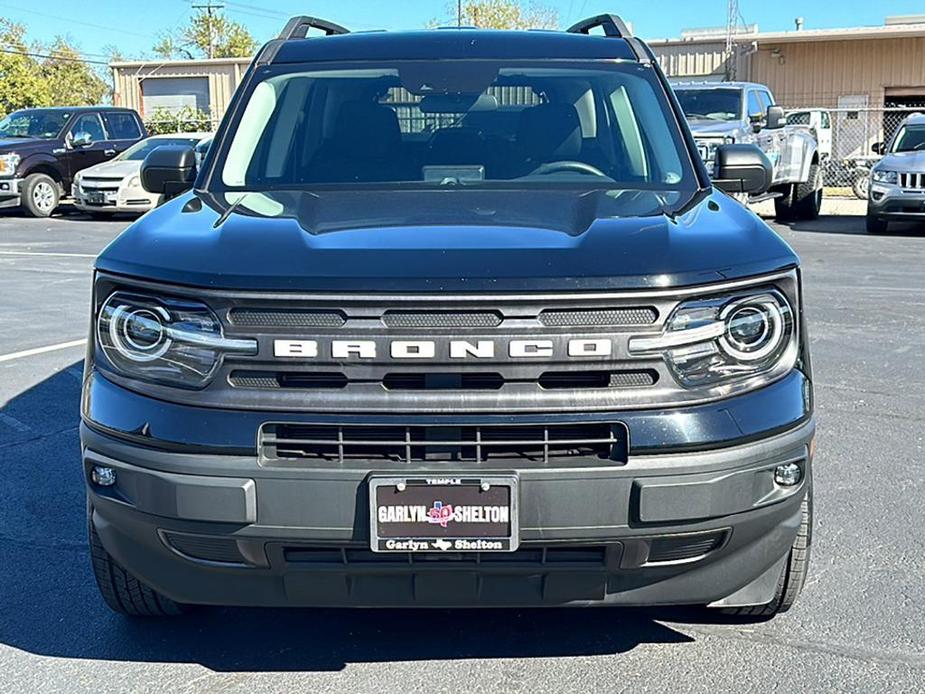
(447, 381)
(681, 547)
(397, 443)
(287, 379)
(553, 380)
(585, 557)
(203, 547)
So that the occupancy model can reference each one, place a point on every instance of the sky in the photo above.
(133, 27)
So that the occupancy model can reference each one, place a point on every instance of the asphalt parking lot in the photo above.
(859, 626)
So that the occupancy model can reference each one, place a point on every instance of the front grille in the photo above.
(439, 381)
(913, 181)
(287, 380)
(645, 315)
(537, 443)
(442, 319)
(552, 380)
(583, 557)
(284, 318)
(684, 547)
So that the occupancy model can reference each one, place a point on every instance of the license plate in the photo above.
(95, 198)
(446, 514)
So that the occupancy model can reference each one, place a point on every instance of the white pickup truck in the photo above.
(743, 112)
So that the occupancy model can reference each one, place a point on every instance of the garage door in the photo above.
(175, 93)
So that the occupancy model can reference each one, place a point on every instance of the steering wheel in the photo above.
(566, 165)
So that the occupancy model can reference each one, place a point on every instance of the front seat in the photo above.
(364, 147)
(547, 133)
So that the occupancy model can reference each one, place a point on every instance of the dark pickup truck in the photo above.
(42, 148)
(450, 318)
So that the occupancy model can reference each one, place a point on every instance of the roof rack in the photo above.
(298, 27)
(612, 25)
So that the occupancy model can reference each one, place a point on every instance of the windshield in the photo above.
(41, 123)
(910, 139)
(457, 122)
(711, 104)
(140, 150)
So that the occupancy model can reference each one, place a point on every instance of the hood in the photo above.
(906, 162)
(713, 127)
(25, 144)
(113, 169)
(445, 241)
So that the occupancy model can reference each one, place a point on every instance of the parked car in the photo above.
(43, 149)
(742, 112)
(358, 362)
(897, 181)
(819, 123)
(114, 186)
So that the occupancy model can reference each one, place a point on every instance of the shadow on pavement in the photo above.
(849, 224)
(49, 604)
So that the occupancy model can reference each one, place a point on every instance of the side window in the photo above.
(754, 106)
(826, 122)
(765, 100)
(89, 123)
(122, 126)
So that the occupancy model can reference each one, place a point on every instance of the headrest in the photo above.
(366, 129)
(550, 132)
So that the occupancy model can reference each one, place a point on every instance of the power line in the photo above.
(54, 57)
(74, 21)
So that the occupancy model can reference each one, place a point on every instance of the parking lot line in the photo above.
(51, 255)
(41, 350)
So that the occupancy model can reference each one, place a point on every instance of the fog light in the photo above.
(103, 476)
(788, 474)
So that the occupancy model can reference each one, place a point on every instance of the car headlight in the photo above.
(8, 164)
(724, 339)
(884, 176)
(134, 182)
(170, 341)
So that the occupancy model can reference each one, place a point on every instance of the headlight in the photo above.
(170, 341)
(883, 176)
(724, 339)
(8, 164)
(134, 182)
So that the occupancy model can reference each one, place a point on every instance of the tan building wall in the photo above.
(692, 60)
(819, 73)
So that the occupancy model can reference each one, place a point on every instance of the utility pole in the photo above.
(732, 24)
(459, 13)
(210, 8)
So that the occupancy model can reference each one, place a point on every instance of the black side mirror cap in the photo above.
(169, 170)
(742, 169)
(776, 118)
(878, 148)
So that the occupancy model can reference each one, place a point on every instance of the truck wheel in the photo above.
(876, 225)
(793, 576)
(861, 185)
(808, 196)
(121, 591)
(40, 195)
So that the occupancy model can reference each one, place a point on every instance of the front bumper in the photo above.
(893, 202)
(10, 192)
(684, 525)
(126, 200)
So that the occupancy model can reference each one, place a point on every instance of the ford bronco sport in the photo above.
(449, 318)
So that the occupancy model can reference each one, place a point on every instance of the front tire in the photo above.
(792, 578)
(40, 195)
(122, 592)
(802, 200)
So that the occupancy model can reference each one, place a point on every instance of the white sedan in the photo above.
(115, 185)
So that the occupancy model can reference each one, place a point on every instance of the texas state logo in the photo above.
(440, 514)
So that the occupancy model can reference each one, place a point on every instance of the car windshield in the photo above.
(140, 150)
(711, 104)
(910, 139)
(457, 122)
(41, 123)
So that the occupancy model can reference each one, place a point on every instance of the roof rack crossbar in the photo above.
(298, 27)
(612, 25)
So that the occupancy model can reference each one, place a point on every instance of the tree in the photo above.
(70, 80)
(501, 14)
(21, 84)
(209, 34)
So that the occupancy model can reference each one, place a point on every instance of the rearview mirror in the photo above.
(775, 118)
(169, 170)
(742, 169)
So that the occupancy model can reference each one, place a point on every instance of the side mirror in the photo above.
(742, 169)
(776, 118)
(878, 148)
(81, 139)
(169, 170)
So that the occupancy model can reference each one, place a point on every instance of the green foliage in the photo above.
(188, 119)
(502, 14)
(208, 35)
(71, 82)
(21, 81)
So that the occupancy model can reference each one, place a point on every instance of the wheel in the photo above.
(121, 591)
(792, 578)
(876, 225)
(802, 200)
(40, 195)
(861, 185)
